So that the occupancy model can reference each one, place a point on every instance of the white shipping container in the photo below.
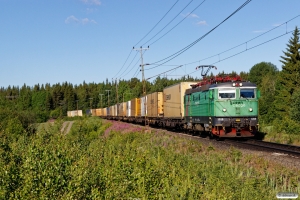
(128, 109)
(124, 109)
(112, 110)
(116, 110)
(144, 106)
(74, 113)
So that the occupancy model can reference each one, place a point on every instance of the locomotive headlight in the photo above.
(224, 110)
(241, 84)
(250, 109)
(233, 84)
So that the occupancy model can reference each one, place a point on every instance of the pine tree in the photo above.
(289, 78)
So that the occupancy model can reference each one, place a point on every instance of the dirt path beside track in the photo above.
(66, 127)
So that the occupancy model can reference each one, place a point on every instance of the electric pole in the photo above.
(91, 100)
(142, 67)
(108, 96)
(117, 90)
(77, 106)
(143, 78)
(101, 99)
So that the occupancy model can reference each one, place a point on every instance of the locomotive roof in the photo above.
(219, 85)
(229, 84)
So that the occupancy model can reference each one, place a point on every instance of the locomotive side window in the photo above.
(226, 93)
(247, 93)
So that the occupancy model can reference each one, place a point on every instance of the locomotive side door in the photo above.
(210, 103)
(187, 103)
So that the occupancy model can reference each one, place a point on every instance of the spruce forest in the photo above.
(100, 159)
(279, 105)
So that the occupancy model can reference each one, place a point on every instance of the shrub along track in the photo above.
(286, 155)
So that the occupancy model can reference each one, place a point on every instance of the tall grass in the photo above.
(92, 163)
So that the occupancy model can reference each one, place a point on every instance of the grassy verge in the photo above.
(112, 160)
(271, 134)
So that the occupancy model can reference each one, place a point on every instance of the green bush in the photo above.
(88, 164)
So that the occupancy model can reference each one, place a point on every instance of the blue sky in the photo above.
(90, 40)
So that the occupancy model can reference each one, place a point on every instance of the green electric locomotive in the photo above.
(223, 107)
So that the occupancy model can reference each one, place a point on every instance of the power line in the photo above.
(157, 23)
(245, 42)
(128, 65)
(240, 45)
(162, 28)
(164, 72)
(171, 57)
(135, 74)
(246, 50)
(146, 36)
(178, 23)
(168, 23)
(124, 63)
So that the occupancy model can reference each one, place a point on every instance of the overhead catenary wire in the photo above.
(146, 36)
(157, 23)
(164, 72)
(243, 42)
(178, 23)
(171, 57)
(162, 28)
(136, 72)
(128, 66)
(246, 50)
(124, 63)
(168, 23)
(220, 60)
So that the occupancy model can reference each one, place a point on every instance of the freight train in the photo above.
(220, 107)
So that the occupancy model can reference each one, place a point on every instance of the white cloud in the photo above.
(201, 23)
(190, 15)
(84, 21)
(71, 19)
(92, 2)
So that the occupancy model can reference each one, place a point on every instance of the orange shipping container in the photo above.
(155, 104)
(136, 107)
(98, 112)
(173, 99)
(104, 112)
(94, 112)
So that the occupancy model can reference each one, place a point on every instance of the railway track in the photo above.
(267, 146)
(252, 144)
(249, 144)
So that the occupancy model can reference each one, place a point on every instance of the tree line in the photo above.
(280, 93)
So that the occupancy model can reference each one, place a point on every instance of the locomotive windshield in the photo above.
(226, 93)
(247, 93)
